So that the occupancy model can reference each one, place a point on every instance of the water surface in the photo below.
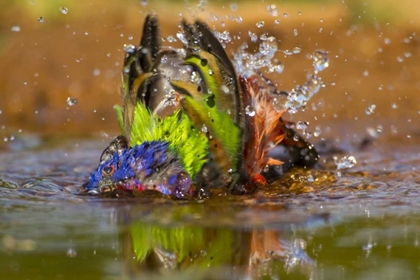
(312, 224)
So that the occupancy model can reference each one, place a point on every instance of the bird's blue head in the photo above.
(149, 166)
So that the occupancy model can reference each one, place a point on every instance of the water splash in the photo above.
(298, 97)
(247, 63)
(223, 37)
(268, 47)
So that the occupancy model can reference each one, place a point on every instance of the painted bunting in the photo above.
(189, 122)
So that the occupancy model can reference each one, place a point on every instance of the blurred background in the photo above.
(60, 65)
(61, 60)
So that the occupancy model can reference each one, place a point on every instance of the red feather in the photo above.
(264, 128)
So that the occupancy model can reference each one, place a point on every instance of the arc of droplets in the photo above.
(298, 97)
(248, 64)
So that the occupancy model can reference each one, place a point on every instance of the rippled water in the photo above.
(312, 224)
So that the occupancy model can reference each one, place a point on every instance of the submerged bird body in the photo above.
(151, 165)
(186, 123)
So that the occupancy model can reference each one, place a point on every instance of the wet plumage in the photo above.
(185, 125)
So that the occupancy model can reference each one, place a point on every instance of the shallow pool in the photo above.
(361, 223)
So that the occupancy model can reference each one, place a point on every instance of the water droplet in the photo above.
(345, 162)
(253, 36)
(302, 125)
(224, 37)
(365, 73)
(295, 32)
(233, 7)
(287, 52)
(320, 60)
(277, 21)
(266, 168)
(387, 41)
(64, 10)
(144, 2)
(285, 15)
(278, 68)
(15, 28)
(96, 72)
(260, 24)
(181, 37)
(71, 253)
(210, 72)
(203, 253)
(272, 10)
(367, 247)
(130, 48)
(370, 109)
(40, 19)
(225, 89)
(296, 50)
(171, 39)
(71, 101)
(394, 106)
(163, 59)
(268, 47)
(204, 128)
(372, 132)
(126, 69)
(310, 179)
(317, 131)
(250, 111)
